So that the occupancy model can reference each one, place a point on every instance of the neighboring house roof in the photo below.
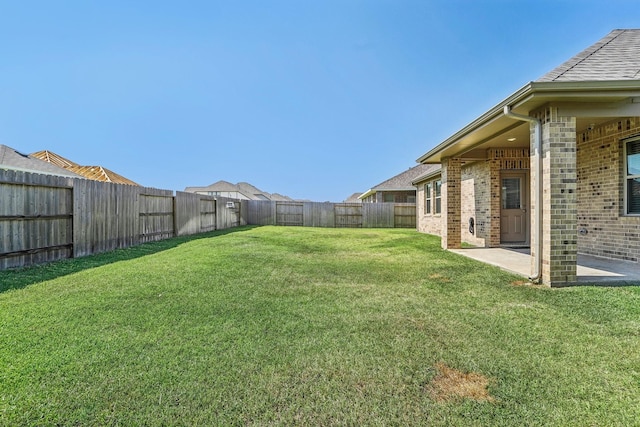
(595, 86)
(253, 191)
(95, 173)
(280, 198)
(99, 173)
(353, 198)
(401, 182)
(54, 158)
(11, 158)
(222, 186)
(247, 190)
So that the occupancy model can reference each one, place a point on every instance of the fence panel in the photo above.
(377, 215)
(105, 216)
(289, 213)
(244, 210)
(405, 215)
(261, 212)
(314, 214)
(227, 213)
(207, 214)
(319, 215)
(36, 215)
(156, 214)
(187, 213)
(348, 215)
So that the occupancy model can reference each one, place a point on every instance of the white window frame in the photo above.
(437, 197)
(428, 208)
(628, 177)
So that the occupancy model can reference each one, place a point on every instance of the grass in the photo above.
(303, 326)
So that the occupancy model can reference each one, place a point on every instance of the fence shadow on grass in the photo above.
(20, 278)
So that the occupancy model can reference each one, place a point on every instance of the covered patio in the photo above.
(590, 269)
(554, 167)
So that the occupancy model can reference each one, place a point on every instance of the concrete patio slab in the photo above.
(590, 269)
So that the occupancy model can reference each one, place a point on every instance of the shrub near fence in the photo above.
(45, 218)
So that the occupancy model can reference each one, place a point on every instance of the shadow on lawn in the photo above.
(19, 278)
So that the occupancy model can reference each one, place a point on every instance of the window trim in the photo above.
(627, 177)
(428, 198)
(437, 190)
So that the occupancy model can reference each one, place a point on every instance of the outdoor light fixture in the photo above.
(511, 139)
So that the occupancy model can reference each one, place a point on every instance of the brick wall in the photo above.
(427, 223)
(476, 203)
(480, 197)
(603, 229)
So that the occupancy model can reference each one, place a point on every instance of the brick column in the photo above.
(451, 204)
(495, 184)
(559, 202)
(533, 190)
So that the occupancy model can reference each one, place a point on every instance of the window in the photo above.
(437, 186)
(411, 199)
(389, 198)
(427, 198)
(511, 193)
(632, 176)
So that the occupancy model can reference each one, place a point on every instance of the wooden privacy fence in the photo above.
(45, 218)
(313, 214)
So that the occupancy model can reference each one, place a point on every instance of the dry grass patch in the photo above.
(451, 384)
(521, 283)
(439, 277)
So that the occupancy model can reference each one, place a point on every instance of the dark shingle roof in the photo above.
(403, 181)
(353, 198)
(614, 57)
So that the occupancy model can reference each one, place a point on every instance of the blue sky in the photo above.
(312, 99)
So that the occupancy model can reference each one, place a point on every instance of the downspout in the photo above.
(537, 194)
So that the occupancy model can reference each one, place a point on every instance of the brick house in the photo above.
(554, 167)
(397, 189)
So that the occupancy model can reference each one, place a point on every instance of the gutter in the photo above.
(537, 194)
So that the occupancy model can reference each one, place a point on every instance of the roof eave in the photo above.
(426, 177)
(536, 90)
(486, 117)
(367, 193)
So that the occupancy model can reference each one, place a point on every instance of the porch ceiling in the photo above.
(590, 102)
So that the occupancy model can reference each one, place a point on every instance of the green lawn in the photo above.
(303, 326)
